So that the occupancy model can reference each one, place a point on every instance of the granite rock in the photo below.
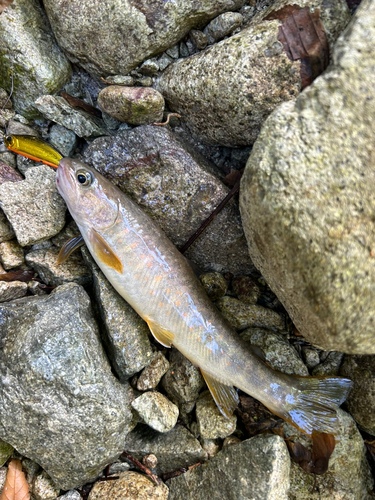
(211, 423)
(156, 411)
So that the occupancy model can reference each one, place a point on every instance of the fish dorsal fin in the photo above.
(165, 337)
(225, 396)
(68, 248)
(104, 252)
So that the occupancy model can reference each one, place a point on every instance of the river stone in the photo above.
(60, 405)
(33, 206)
(126, 335)
(116, 36)
(212, 424)
(151, 375)
(225, 93)
(307, 198)
(43, 487)
(175, 449)
(348, 475)
(6, 231)
(176, 190)
(12, 290)
(133, 105)
(222, 26)
(29, 53)
(11, 254)
(64, 140)
(6, 451)
(330, 366)
(8, 174)
(214, 284)
(257, 468)
(156, 411)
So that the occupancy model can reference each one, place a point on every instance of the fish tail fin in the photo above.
(313, 405)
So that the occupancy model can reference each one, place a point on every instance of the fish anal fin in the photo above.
(225, 396)
(69, 247)
(104, 252)
(165, 337)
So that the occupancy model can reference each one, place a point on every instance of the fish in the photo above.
(149, 272)
(33, 148)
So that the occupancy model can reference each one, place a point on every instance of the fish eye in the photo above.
(8, 138)
(84, 178)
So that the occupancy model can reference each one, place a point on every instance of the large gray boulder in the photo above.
(307, 198)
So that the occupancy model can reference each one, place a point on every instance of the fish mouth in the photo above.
(65, 177)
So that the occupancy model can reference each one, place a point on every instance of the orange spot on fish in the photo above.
(177, 303)
(158, 278)
(168, 290)
(161, 304)
(134, 245)
(184, 315)
(149, 264)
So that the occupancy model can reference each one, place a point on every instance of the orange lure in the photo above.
(33, 148)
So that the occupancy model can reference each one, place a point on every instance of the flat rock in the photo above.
(126, 335)
(12, 290)
(225, 93)
(29, 51)
(258, 468)
(307, 200)
(156, 411)
(131, 33)
(33, 206)
(176, 190)
(174, 449)
(77, 414)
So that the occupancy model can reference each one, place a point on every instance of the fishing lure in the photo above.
(33, 148)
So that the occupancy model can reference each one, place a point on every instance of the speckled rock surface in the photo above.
(43, 487)
(330, 366)
(133, 32)
(214, 284)
(225, 93)
(59, 402)
(126, 334)
(176, 190)
(7, 173)
(6, 231)
(222, 26)
(174, 449)
(11, 254)
(63, 139)
(279, 353)
(156, 411)
(151, 375)
(33, 206)
(12, 290)
(258, 468)
(133, 105)
(246, 289)
(131, 485)
(307, 202)
(211, 423)
(29, 51)
(348, 474)
(6, 451)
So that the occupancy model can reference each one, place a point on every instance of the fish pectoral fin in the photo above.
(225, 396)
(165, 337)
(68, 248)
(104, 252)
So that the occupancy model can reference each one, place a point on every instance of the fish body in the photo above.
(156, 280)
(33, 148)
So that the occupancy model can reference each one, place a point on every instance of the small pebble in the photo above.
(6, 451)
(43, 488)
(184, 51)
(149, 68)
(331, 365)
(150, 461)
(117, 467)
(211, 446)
(230, 441)
(164, 61)
(156, 411)
(222, 26)
(212, 424)
(70, 495)
(173, 52)
(12, 290)
(152, 374)
(63, 139)
(198, 38)
(11, 254)
(310, 356)
(214, 284)
(246, 290)
(3, 476)
(144, 81)
(127, 80)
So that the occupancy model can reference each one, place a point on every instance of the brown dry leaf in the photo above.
(16, 487)
(17, 276)
(4, 3)
(78, 103)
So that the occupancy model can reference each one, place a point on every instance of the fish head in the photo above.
(92, 200)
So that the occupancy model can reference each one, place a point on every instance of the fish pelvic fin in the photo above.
(165, 337)
(312, 407)
(225, 396)
(69, 247)
(104, 252)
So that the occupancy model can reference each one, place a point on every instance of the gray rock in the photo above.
(241, 315)
(211, 423)
(17, 128)
(164, 61)
(130, 34)
(12, 290)
(8, 174)
(6, 231)
(361, 401)
(33, 206)
(133, 105)
(63, 139)
(44, 262)
(310, 356)
(35, 288)
(348, 474)
(145, 81)
(178, 191)
(199, 39)
(58, 110)
(6, 451)
(11, 254)
(156, 411)
(281, 355)
(126, 334)
(117, 467)
(184, 51)
(258, 468)
(222, 26)
(126, 80)
(29, 52)
(182, 382)
(77, 414)
(174, 449)
(173, 51)
(130, 485)
(68, 232)
(214, 284)
(43, 487)
(246, 290)
(149, 67)
(211, 446)
(70, 495)
(330, 366)
(151, 375)
(307, 199)
(24, 164)
(225, 93)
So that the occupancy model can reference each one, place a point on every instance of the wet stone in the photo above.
(33, 206)
(279, 353)
(257, 468)
(330, 366)
(12, 290)
(44, 262)
(126, 334)
(63, 139)
(131, 485)
(156, 411)
(11, 254)
(211, 423)
(174, 449)
(43, 488)
(214, 284)
(242, 315)
(133, 105)
(246, 290)
(222, 26)
(152, 373)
